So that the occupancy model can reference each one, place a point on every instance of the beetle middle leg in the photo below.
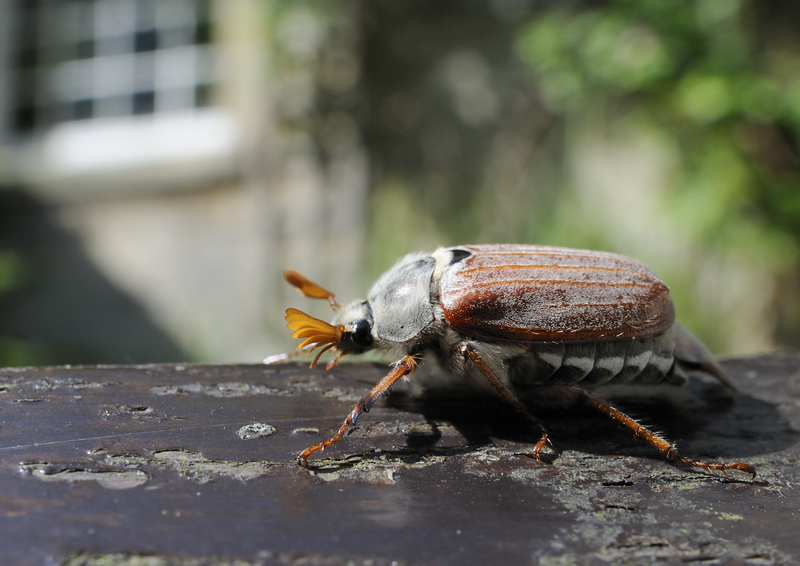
(470, 354)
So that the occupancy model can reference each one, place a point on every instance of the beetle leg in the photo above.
(469, 353)
(666, 448)
(404, 367)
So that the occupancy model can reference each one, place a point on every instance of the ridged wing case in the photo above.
(528, 294)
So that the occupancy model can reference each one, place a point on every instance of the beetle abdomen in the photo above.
(643, 361)
(529, 294)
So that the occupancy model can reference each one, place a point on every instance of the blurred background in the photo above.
(162, 161)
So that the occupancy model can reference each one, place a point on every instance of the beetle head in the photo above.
(350, 332)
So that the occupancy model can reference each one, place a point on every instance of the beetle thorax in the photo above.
(400, 302)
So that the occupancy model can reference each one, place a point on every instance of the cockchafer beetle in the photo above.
(534, 321)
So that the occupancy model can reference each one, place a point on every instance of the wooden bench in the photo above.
(196, 464)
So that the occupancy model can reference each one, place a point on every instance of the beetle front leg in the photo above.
(469, 353)
(404, 367)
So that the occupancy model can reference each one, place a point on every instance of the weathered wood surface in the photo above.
(132, 465)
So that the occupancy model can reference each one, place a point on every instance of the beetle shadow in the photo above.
(703, 419)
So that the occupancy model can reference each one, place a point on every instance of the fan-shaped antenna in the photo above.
(309, 288)
(314, 332)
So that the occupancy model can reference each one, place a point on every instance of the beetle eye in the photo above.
(361, 335)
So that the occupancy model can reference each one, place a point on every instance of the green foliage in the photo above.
(719, 80)
(14, 272)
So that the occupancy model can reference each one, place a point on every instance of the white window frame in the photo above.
(176, 145)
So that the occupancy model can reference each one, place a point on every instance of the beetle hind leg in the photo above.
(668, 449)
(469, 353)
